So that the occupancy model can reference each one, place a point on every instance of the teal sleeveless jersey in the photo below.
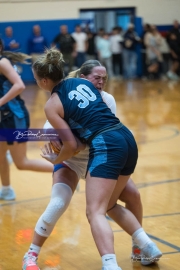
(84, 109)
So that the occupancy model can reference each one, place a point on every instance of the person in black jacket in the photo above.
(67, 45)
(173, 39)
(129, 52)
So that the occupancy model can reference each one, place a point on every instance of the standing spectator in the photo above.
(115, 42)
(173, 39)
(67, 45)
(146, 29)
(86, 29)
(91, 49)
(10, 42)
(175, 56)
(165, 51)
(129, 52)
(36, 43)
(105, 53)
(81, 45)
(176, 31)
(153, 41)
(99, 35)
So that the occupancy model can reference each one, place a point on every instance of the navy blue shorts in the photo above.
(113, 153)
(11, 121)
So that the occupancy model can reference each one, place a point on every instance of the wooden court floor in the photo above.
(152, 111)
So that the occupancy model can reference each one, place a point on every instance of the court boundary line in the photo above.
(158, 240)
(175, 134)
(140, 185)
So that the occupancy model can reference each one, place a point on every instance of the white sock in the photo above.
(141, 238)
(109, 260)
(34, 248)
(134, 243)
(6, 187)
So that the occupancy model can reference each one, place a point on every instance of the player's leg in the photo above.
(19, 155)
(107, 158)
(98, 193)
(64, 184)
(123, 216)
(126, 220)
(132, 199)
(6, 191)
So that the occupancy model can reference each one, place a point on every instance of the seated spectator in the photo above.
(36, 43)
(10, 42)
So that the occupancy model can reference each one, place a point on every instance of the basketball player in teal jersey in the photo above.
(104, 168)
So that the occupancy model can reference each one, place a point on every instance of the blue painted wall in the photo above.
(23, 30)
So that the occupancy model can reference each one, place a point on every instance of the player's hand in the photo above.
(48, 153)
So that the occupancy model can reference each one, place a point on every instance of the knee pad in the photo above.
(60, 198)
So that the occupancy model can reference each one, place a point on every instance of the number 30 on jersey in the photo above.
(82, 94)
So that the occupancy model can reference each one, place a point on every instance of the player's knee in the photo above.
(20, 164)
(136, 197)
(54, 210)
(90, 213)
(133, 198)
(20, 167)
(93, 212)
(60, 198)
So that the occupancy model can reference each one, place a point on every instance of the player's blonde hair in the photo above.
(50, 65)
(14, 57)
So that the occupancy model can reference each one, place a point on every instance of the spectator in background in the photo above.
(173, 39)
(91, 49)
(81, 45)
(175, 56)
(129, 52)
(9, 41)
(176, 31)
(115, 44)
(87, 29)
(165, 51)
(152, 40)
(146, 29)
(67, 45)
(105, 53)
(99, 35)
(36, 43)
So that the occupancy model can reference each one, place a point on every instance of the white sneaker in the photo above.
(7, 194)
(172, 76)
(150, 254)
(30, 261)
(107, 268)
(136, 253)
